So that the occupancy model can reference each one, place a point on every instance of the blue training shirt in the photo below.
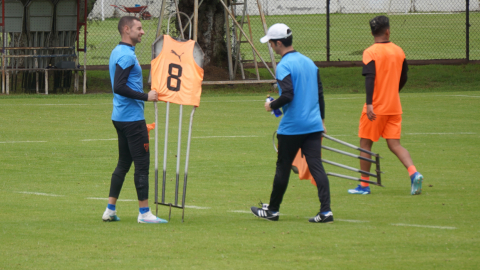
(302, 114)
(127, 109)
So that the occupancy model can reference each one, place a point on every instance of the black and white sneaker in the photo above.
(265, 214)
(325, 217)
(264, 206)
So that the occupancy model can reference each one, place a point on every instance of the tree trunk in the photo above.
(211, 30)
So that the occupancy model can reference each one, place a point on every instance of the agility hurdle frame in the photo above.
(375, 161)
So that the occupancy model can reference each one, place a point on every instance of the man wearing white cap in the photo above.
(302, 102)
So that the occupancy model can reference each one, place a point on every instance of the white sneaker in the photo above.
(150, 218)
(110, 215)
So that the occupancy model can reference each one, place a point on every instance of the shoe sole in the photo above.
(328, 222)
(112, 219)
(417, 186)
(263, 217)
(357, 193)
(145, 222)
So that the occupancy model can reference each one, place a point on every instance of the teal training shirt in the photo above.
(302, 114)
(127, 109)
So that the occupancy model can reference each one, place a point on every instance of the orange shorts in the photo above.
(387, 126)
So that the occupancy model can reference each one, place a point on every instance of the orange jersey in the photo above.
(388, 59)
(175, 75)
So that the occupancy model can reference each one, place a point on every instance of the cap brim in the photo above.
(265, 39)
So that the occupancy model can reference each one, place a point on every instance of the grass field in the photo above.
(57, 154)
(422, 36)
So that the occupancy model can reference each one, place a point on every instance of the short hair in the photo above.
(287, 42)
(126, 20)
(379, 25)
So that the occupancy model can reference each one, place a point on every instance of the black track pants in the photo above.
(288, 146)
(133, 146)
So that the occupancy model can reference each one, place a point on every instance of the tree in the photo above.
(211, 29)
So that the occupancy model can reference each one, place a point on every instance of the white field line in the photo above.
(457, 96)
(91, 140)
(200, 137)
(348, 220)
(351, 220)
(41, 194)
(225, 101)
(263, 100)
(55, 104)
(240, 211)
(431, 133)
(424, 226)
(129, 200)
(208, 137)
(431, 13)
(444, 133)
(345, 98)
(106, 199)
(23, 141)
(196, 207)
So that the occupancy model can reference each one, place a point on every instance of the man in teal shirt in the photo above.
(302, 102)
(129, 121)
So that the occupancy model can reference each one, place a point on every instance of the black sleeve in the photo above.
(287, 93)
(369, 73)
(403, 77)
(120, 84)
(321, 100)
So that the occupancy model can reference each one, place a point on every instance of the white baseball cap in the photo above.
(276, 31)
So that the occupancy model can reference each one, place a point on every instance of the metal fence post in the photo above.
(467, 31)
(328, 30)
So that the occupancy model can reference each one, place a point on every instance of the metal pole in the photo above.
(156, 157)
(46, 82)
(179, 20)
(3, 49)
(348, 154)
(191, 17)
(177, 179)
(354, 178)
(467, 31)
(229, 45)
(103, 13)
(186, 161)
(160, 19)
(254, 57)
(246, 37)
(265, 29)
(377, 163)
(350, 145)
(328, 30)
(7, 82)
(348, 167)
(165, 154)
(195, 19)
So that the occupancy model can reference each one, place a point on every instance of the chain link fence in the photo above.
(334, 30)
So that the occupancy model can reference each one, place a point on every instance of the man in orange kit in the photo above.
(385, 70)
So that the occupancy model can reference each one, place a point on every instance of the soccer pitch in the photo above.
(58, 154)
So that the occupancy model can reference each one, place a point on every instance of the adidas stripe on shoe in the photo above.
(322, 218)
(265, 214)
